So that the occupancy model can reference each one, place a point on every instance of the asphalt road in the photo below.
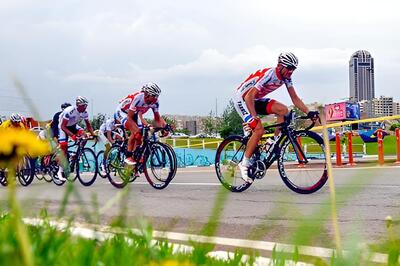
(268, 210)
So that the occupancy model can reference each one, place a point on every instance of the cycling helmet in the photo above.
(65, 105)
(80, 100)
(151, 89)
(288, 60)
(15, 118)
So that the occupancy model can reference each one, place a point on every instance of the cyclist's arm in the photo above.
(89, 127)
(297, 101)
(109, 136)
(65, 129)
(250, 100)
(159, 121)
(144, 121)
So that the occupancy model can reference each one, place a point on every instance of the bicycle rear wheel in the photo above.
(229, 154)
(117, 172)
(303, 178)
(3, 177)
(26, 171)
(86, 167)
(162, 165)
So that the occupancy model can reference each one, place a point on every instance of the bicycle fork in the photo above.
(298, 150)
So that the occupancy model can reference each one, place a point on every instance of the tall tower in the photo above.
(361, 73)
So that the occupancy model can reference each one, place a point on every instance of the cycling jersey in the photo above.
(108, 125)
(138, 104)
(8, 124)
(72, 115)
(123, 106)
(265, 81)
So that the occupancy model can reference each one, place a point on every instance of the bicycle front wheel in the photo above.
(160, 165)
(303, 178)
(229, 154)
(118, 173)
(86, 167)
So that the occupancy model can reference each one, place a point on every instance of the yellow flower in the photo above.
(17, 143)
(171, 263)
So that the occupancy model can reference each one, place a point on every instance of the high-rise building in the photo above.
(361, 70)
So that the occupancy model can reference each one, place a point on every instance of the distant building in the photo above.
(361, 74)
(383, 106)
(192, 123)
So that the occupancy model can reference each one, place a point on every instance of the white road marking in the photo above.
(105, 232)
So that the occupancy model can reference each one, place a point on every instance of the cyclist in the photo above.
(55, 120)
(141, 102)
(107, 135)
(68, 126)
(14, 122)
(250, 101)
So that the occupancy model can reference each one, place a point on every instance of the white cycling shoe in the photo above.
(244, 173)
(60, 175)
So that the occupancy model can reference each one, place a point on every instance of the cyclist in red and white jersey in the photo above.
(250, 101)
(123, 107)
(141, 102)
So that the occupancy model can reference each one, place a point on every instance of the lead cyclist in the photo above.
(250, 101)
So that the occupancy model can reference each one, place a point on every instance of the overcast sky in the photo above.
(196, 51)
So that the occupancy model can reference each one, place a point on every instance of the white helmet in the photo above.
(15, 118)
(80, 100)
(151, 89)
(288, 60)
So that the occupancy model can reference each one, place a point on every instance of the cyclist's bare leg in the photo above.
(280, 110)
(258, 132)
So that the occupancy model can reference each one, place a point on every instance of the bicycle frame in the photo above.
(287, 131)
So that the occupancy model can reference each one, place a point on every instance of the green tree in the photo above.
(97, 120)
(209, 124)
(170, 121)
(231, 122)
(394, 126)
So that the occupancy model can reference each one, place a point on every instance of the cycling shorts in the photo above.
(263, 107)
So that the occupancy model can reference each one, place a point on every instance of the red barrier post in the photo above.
(338, 150)
(350, 144)
(381, 159)
(398, 145)
(301, 165)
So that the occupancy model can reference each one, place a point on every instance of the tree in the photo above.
(231, 122)
(209, 124)
(170, 121)
(394, 126)
(97, 120)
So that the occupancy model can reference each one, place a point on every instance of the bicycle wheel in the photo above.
(161, 163)
(174, 159)
(86, 167)
(229, 154)
(117, 172)
(3, 178)
(101, 163)
(303, 178)
(26, 171)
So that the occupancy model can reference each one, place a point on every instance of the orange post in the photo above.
(350, 144)
(301, 157)
(338, 151)
(398, 145)
(381, 159)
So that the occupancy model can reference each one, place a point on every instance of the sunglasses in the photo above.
(291, 68)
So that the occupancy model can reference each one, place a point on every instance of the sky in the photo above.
(198, 52)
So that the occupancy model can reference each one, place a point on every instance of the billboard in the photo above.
(342, 111)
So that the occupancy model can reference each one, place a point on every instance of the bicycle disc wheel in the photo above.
(174, 159)
(303, 178)
(160, 165)
(229, 154)
(117, 172)
(86, 167)
(26, 171)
